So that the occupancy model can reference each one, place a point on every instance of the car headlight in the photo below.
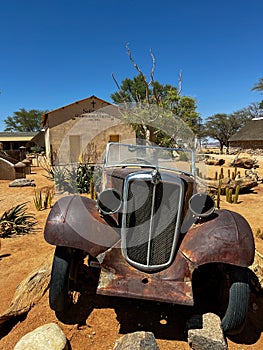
(109, 201)
(201, 205)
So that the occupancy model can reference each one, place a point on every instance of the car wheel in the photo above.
(59, 281)
(238, 300)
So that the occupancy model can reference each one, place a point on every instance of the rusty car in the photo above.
(153, 233)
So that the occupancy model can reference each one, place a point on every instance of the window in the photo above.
(114, 138)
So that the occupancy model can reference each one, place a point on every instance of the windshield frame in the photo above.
(192, 171)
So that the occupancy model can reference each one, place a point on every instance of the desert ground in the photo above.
(105, 319)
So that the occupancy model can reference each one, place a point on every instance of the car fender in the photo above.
(225, 238)
(75, 222)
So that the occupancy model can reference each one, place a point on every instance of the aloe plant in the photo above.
(16, 221)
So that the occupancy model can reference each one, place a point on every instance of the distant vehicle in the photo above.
(152, 235)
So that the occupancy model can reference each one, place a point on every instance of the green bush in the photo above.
(76, 179)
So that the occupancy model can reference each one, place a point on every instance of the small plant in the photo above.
(85, 174)
(38, 200)
(45, 164)
(59, 174)
(48, 198)
(15, 221)
(259, 233)
(43, 198)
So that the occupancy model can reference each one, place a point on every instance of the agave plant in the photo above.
(15, 221)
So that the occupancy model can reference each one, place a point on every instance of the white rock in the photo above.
(47, 337)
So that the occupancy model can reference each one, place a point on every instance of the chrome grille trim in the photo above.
(175, 211)
(151, 226)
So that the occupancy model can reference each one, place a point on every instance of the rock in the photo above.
(256, 278)
(29, 291)
(210, 336)
(137, 341)
(22, 183)
(47, 337)
(214, 161)
(246, 163)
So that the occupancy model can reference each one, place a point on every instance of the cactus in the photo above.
(229, 193)
(230, 199)
(218, 194)
(235, 198)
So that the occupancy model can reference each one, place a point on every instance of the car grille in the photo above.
(151, 219)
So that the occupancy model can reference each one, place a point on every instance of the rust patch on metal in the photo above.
(118, 278)
(226, 238)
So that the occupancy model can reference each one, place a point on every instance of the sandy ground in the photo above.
(106, 318)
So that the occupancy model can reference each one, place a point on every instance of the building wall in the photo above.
(84, 137)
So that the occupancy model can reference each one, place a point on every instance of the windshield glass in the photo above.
(118, 154)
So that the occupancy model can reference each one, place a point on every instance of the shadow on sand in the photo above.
(166, 321)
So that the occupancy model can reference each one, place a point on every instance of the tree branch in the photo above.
(153, 67)
(180, 83)
(138, 70)
(117, 84)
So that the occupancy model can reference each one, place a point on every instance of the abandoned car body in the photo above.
(149, 232)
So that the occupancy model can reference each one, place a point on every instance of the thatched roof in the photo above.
(252, 131)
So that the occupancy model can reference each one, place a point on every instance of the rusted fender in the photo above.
(75, 222)
(226, 238)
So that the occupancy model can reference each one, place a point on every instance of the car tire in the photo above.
(59, 289)
(238, 300)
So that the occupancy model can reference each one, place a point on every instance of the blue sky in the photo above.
(57, 52)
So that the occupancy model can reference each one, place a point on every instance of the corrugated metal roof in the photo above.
(16, 136)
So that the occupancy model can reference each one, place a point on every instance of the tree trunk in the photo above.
(221, 147)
